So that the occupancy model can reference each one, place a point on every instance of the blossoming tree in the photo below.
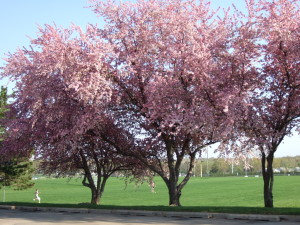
(273, 109)
(59, 108)
(175, 75)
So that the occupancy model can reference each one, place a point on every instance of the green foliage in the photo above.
(16, 173)
(3, 110)
(13, 172)
(3, 99)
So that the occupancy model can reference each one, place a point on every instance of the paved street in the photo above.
(16, 217)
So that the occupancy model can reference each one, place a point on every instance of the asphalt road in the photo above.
(16, 217)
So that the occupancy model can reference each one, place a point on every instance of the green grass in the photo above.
(228, 194)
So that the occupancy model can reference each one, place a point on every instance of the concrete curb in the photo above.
(187, 215)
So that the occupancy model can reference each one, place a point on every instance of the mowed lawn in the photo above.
(224, 191)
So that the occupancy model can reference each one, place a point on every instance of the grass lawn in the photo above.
(220, 194)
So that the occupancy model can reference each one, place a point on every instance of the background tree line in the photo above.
(230, 167)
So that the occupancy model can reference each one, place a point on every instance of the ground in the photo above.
(16, 217)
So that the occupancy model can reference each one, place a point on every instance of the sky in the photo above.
(19, 20)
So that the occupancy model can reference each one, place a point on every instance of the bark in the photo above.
(174, 170)
(95, 196)
(89, 182)
(174, 194)
(98, 191)
(268, 177)
(102, 187)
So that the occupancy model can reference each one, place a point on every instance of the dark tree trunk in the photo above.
(88, 181)
(173, 185)
(268, 177)
(95, 199)
(95, 196)
(102, 186)
(173, 188)
(97, 191)
(174, 194)
(171, 179)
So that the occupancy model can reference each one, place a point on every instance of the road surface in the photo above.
(16, 217)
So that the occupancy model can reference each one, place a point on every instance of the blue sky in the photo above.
(19, 20)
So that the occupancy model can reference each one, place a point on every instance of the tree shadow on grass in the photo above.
(204, 209)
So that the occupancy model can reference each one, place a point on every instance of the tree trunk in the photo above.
(268, 178)
(174, 163)
(174, 194)
(98, 190)
(88, 181)
(95, 199)
(102, 186)
(172, 183)
(95, 196)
